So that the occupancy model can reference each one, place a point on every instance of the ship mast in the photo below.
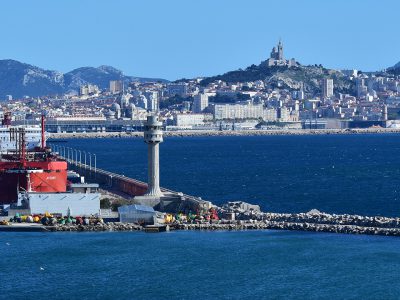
(43, 134)
(22, 153)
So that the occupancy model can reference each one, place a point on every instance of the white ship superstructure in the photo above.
(8, 137)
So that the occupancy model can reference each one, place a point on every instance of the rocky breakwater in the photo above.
(244, 216)
(265, 224)
(111, 226)
(316, 217)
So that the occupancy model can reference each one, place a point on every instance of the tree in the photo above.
(174, 100)
(105, 203)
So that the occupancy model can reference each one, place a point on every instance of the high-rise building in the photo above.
(115, 86)
(152, 100)
(327, 88)
(200, 102)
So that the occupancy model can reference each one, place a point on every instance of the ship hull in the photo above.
(45, 177)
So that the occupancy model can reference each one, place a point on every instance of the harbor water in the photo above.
(336, 174)
(198, 265)
(357, 174)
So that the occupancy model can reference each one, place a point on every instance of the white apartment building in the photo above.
(327, 88)
(200, 102)
(88, 89)
(238, 111)
(270, 114)
(115, 86)
(188, 119)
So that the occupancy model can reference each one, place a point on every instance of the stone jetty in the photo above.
(238, 216)
(253, 219)
(245, 216)
(281, 225)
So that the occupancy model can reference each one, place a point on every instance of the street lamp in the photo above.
(67, 154)
(80, 157)
(95, 165)
(70, 154)
(90, 162)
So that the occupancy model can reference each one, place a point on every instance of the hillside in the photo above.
(19, 79)
(289, 78)
(395, 70)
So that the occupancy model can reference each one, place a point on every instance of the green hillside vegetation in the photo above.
(288, 78)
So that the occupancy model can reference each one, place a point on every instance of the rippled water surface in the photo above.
(197, 265)
(336, 174)
(333, 173)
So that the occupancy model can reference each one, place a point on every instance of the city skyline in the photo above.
(199, 40)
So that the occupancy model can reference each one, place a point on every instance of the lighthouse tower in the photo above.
(153, 136)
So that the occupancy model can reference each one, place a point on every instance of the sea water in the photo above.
(335, 174)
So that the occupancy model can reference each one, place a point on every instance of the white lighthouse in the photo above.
(153, 136)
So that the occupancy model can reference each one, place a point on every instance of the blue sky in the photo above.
(186, 38)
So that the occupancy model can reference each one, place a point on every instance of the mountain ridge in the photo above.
(19, 79)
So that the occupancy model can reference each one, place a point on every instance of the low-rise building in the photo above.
(188, 119)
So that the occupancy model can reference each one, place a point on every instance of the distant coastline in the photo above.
(194, 133)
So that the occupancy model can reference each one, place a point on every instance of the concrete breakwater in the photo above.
(192, 133)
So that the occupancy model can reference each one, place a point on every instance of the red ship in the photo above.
(39, 170)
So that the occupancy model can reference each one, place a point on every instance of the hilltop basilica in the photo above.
(277, 59)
